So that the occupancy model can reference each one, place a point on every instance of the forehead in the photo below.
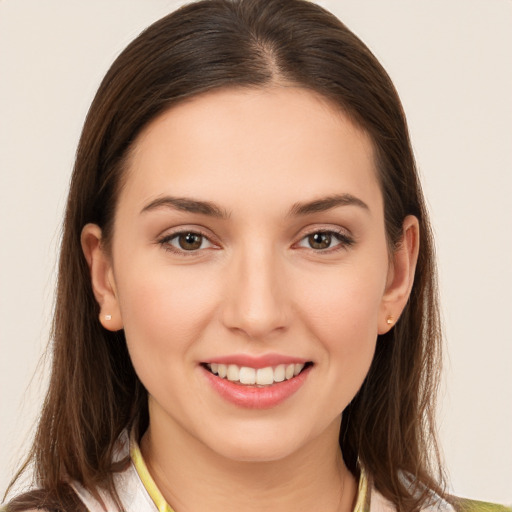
(276, 143)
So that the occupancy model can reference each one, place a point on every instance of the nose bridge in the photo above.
(255, 301)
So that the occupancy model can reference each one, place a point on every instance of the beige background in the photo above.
(451, 61)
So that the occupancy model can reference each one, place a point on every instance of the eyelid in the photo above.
(344, 237)
(169, 235)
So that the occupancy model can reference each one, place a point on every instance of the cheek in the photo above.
(346, 301)
(343, 315)
(164, 314)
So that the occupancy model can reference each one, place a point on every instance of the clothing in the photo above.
(139, 493)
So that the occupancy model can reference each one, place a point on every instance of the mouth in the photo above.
(257, 377)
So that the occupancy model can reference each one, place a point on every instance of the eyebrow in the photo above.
(327, 203)
(190, 205)
(186, 204)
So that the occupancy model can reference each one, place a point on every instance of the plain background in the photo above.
(451, 61)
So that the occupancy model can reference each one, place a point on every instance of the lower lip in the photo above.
(254, 397)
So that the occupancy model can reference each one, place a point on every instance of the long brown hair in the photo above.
(94, 394)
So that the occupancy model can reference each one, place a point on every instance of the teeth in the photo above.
(261, 376)
(222, 370)
(264, 376)
(247, 375)
(279, 373)
(233, 373)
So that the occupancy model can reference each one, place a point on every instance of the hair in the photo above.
(94, 394)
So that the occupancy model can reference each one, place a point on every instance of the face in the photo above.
(249, 269)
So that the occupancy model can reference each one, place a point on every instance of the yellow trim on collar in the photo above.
(145, 477)
(362, 504)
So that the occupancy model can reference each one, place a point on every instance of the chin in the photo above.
(256, 452)
(259, 443)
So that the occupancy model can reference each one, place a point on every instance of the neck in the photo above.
(194, 478)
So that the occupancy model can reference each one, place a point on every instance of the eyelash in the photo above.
(344, 241)
(165, 242)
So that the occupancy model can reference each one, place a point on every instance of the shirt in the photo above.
(139, 493)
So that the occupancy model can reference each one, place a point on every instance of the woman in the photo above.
(245, 280)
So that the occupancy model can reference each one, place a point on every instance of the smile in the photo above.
(246, 375)
(256, 382)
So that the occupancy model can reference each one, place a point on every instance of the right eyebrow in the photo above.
(327, 203)
(186, 204)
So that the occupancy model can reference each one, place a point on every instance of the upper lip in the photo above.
(251, 361)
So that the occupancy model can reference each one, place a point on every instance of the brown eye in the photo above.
(320, 240)
(190, 241)
(183, 242)
(326, 241)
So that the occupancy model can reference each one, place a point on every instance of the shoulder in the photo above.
(467, 505)
(42, 500)
(4, 508)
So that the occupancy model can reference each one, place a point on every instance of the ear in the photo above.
(400, 275)
(102, 277)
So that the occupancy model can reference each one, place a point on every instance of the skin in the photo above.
(255, 286)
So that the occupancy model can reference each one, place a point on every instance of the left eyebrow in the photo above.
(186, 204)
(327, 203)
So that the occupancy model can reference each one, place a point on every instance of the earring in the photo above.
(390, 320)
(108, 317)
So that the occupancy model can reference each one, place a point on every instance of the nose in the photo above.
(256, 302)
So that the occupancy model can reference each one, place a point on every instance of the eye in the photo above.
(324, 240)
(187, 241)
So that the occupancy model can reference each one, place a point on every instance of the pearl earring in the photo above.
(108, 317)
(390, 320)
